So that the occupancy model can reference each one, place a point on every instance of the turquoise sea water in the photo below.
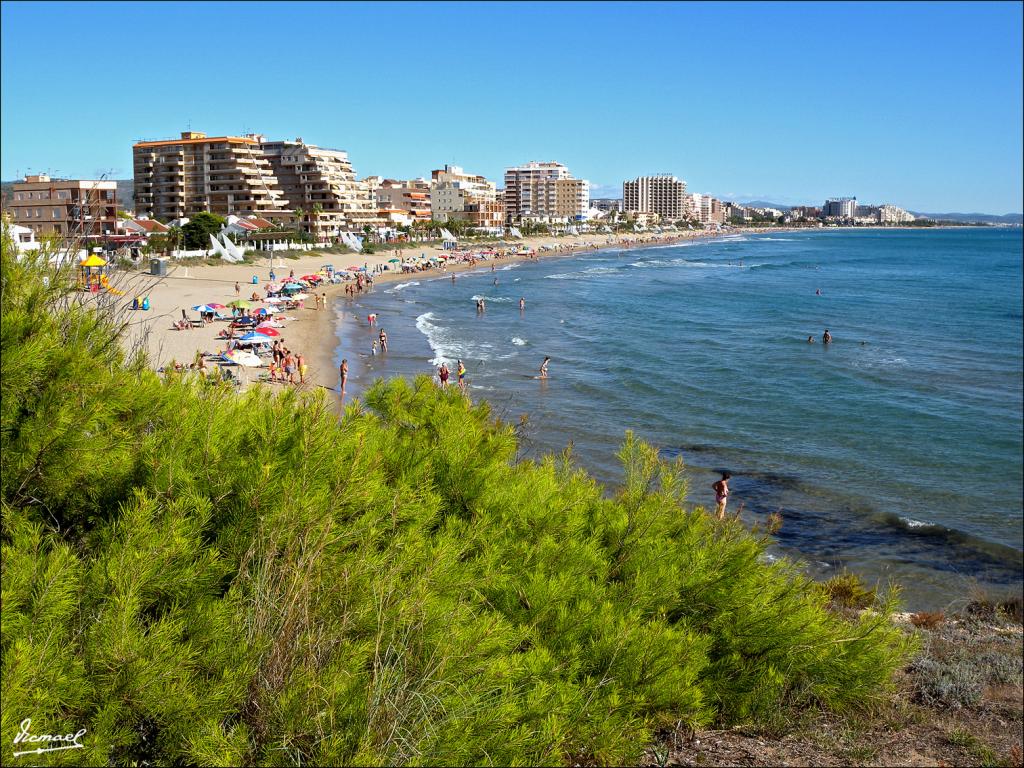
(896, 451)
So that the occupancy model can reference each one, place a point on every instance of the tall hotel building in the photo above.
(663, 194)
(544, 191)
(222, 175)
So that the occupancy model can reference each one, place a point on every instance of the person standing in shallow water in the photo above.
(343, 370)
(826, 337)
(544, 368)
(721, 489)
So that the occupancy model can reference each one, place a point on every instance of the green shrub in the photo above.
(846, 590)
(201, 577)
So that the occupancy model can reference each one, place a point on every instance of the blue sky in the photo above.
(917, 104)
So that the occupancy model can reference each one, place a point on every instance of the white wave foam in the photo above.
(494, 299)
(446, 347)
(401, 286)
(912, 523)
(508, 267)
(584, 274)
(518, 342)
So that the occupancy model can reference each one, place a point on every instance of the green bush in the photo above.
(201, 577)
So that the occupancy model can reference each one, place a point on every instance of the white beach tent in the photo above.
(513, 232)
(231, 248)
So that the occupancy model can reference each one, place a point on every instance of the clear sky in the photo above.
(917, 104)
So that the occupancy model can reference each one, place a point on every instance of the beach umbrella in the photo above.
(267, 330)
(356, 269)
(241, 357)
(266, 310)
(312, 278)
(272, 300)
(205, 309)
(393, 261)
(241, 304)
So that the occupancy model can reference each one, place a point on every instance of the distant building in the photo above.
(891, 214)
(452, 191)
(804, 212)
(411, 196)
(840, 208)
(663, 194)
(221, 175)
(607, 204)
(545, 192)
(66, 207)
(321, 189)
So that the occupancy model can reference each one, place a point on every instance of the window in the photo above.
(56, 213)
(39, 213)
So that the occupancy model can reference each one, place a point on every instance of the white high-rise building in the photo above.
(891, 214)
(663, 194)
(545, 191)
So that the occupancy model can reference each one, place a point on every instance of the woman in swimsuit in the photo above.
(721, 495)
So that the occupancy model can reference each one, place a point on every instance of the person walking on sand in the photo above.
(826, 337)
(343, 370)
(383, 341)
(544, 368)
(238, 289)
(300, 363)
(721, 489)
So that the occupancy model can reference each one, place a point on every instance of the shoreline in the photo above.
(187, 286)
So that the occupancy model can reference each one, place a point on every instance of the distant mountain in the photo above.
(978, 218)
(125, 193)
(764, 204)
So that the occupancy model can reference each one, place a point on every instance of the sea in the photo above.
(894, 452)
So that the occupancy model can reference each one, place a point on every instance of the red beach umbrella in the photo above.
(267, 331)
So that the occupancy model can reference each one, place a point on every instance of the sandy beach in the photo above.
(308, 331)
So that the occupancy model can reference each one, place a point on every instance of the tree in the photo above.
(317, 210)
(300, 214)
(199, 228)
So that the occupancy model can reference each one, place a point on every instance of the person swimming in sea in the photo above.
(522, 304)
(810, 339)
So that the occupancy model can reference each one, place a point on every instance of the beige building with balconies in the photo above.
(662, 194)
(544, 192)
(65, 207)
(321, 188)
(411, 196)
(222, 175)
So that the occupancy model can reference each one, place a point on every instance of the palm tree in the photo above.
(317, 210)
(299, 216)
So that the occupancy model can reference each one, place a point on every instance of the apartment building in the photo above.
(840, 207)
(482, 215)
(452, 191)
(891, 214)
(545, 192)
(663, 194)
(66, 207)
(222, 175)
(321, 189)
(411, 196)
